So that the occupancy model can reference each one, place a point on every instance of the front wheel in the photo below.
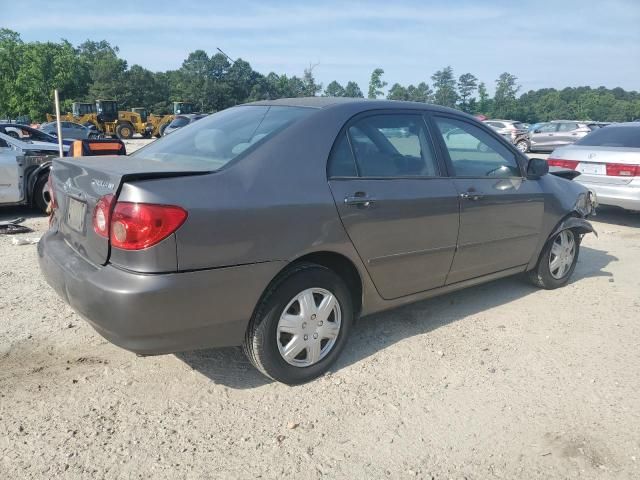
(301, 325)
(557, 261)
(124, 131)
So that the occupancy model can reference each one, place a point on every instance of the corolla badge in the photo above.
(102, 184)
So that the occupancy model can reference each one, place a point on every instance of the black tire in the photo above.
(541, 275)
(124, 131)
(38, 200)
(522, 146)
(260, 344)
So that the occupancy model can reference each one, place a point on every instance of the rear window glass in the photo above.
(219, 138)
(179, 122)
(613, 137)
(518, 126)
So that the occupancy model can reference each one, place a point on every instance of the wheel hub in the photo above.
(308, 327)
(562, 254)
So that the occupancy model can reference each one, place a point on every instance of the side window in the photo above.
(548, 128)
(341, 162)
(474, 152)
(567, 127)
(395, 145)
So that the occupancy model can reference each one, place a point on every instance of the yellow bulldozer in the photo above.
(160, 122)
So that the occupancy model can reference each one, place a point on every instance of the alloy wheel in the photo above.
(563, 251)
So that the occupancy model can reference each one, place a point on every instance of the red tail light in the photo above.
(557, 162)
(102, 215)
(53, 204)
(622, 170)
(135, 226)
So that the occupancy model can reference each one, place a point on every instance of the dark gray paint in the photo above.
(250, 220)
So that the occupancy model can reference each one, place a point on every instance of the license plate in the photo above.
(75, 214)
(592, 168)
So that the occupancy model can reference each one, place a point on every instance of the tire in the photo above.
(522, 146)
(38, 200)
(264, 341)
(543, 275)
(124, 131)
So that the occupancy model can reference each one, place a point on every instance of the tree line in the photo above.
(29, 71)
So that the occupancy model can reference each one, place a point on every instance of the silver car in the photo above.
(558, 133)
(608, 160)
(71, 130)
(513, 131)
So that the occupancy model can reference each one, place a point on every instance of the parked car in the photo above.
(29, 134)
(514, 132)
(182, 121)
(608, 160)
(557, 133)
(24, 171)
(71, 130)
(273, 225)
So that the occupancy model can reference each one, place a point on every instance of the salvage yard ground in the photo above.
(497, 381)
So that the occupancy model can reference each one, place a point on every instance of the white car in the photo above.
(24, 171)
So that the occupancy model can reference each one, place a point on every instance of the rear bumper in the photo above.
(157, 313)
(625, 196)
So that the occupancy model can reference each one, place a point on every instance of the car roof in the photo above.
(358, 104)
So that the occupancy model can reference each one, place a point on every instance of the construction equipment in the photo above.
(160, 122)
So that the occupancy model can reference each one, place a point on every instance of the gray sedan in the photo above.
(274, 225)
(71, 130)
(608, 160)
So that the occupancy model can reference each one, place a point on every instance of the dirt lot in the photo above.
(498, 381)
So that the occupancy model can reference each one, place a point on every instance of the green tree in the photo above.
(467, 84)
(397, 92)
(484, 101)
(352, 90)
(504, 100)
(376, 84)
(444, 84)
(422, 93)
(334, 89)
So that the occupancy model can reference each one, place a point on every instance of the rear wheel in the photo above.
(522, 146)
(39, 200)
(301, 325)
(124, 131)
(557, 261)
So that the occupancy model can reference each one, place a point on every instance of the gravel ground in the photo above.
(497, 381)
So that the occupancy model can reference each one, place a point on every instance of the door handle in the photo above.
(471, 196)
(359, 200)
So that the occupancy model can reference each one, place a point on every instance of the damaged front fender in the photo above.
(578, 224)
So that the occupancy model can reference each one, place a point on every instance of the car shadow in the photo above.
(616, 216)
(376, 332)
(9, 213)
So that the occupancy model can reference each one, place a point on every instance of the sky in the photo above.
(545, 43)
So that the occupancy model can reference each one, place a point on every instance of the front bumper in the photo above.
(157, 313)
(625, 196)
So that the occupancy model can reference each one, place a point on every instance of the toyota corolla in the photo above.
(274, 225)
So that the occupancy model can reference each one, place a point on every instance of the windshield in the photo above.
(219, 138)
(627, 136)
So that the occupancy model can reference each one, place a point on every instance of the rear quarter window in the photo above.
(625, 137)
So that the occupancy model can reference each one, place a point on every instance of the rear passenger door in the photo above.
(399, 210)
(500, 210)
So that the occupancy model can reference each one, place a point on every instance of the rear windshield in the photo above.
(219, 138)
(179, 122)
(613, 137)
(519, 126)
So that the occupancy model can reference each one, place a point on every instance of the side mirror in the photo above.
(536, 168)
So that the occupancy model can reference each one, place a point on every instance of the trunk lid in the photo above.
(592, 161)
(79, 182)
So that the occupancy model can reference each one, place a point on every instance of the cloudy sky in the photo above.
(546, 43)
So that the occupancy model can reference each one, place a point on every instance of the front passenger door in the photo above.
(500, 210)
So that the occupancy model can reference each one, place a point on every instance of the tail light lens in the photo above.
(101, 216)
(557, 162)
(622, 170)
(135, 226)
